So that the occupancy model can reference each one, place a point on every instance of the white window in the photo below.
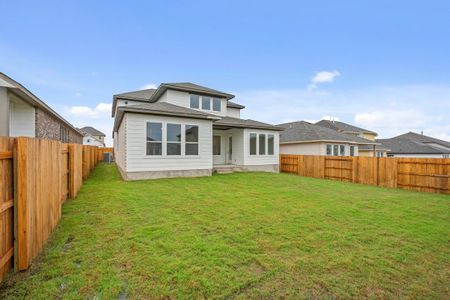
(352, 150)
(217, 141)
(217, 104)
(262, 144)
(446, 155)
(329, 149)
(206, 103)
(252, 143)
(191, 136)
(154, 138)
(335, 150)
(173, 139)
(195, 101)
(342, 150)
(379, 154)
(270, 144)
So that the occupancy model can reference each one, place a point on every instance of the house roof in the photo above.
(343, 127)
(152, 95)
(229, 122)
(21, 91)
(168, 109)
(302, 132)
(92, 131)
(414, 143)
(161, 108)
(235, 105)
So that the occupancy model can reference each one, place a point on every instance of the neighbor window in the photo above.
(446, 155)
(173, 139)
(252, 143)
(195, 101)
(270, 144)
(342, 150)
(329, 149)
(216, 104)
(206, 103)
(154, 138)
(262, 144)
(191, 133)
(335, 150)
(216, 144)
(352, 150)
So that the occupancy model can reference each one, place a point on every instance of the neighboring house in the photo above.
(24, 114)
(364, 150)
(416, 145)
(184, 129)
(92, 136)
(305, 138)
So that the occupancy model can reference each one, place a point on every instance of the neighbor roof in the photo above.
(32, 99)
(343, 127)
(229, 122)
(91, 131)
(302, 132)
(414, 143)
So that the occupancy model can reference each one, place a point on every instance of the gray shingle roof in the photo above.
(137, 95)
(188, 86)
(91, 131)
(245, 123)
(302, 131)
(343, 127)
(414, 143)
(234, 105)
(162, 108)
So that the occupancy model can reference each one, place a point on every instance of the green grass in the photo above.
(244, 235)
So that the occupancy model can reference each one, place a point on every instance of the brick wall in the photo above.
(48, 127)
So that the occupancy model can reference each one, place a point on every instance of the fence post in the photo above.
(21, 204)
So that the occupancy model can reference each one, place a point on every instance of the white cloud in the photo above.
(86, 111)
(148, 86)
(322, 77)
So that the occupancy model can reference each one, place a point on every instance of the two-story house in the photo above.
(92, 136)
(184, 129)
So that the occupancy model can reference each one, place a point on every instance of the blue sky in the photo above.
(383, 65)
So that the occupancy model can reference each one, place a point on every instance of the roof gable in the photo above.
(343, 127)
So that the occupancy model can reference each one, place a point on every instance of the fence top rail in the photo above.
(6, 155)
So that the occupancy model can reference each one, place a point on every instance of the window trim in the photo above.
(215, 100)
(352, 150)
(154, 142)
(180, 142)
(198, 101)
(331, 149)
(220, 145)
(191, 143)
(250, 146)
(209, 98)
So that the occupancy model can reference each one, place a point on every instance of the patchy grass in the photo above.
(245, 235)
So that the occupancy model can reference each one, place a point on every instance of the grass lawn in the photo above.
(244, 235)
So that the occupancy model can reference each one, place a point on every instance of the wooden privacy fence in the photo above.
(36, 177)
(422, 174)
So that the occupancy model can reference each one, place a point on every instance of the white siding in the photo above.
(120, 144)
(184, 99)
(91, 141)
(252, 160)
(233, 112)
(138, 161)
(303, 149)
(4, 112)
(318, 148)
(22, 118)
